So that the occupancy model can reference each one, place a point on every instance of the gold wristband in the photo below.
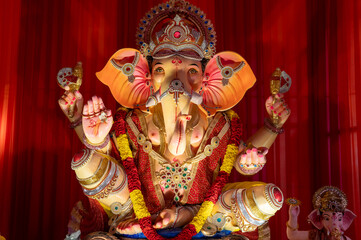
(291, 228)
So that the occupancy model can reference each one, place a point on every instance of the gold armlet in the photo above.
(97, 175)
(291, 228)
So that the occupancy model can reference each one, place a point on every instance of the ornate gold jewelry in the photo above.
(250, 169)
(223, 203)
(87, 155)
(245, 222)
(291, 228)
(175, 177)
(293, 202)
(269, 193)
(103, 166)
(123, 184)
(337, 234)
(254, 208)
(329, 198)
(215, 223)
(121, 209)
(105, 187)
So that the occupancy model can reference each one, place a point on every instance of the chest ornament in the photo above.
(175, 177)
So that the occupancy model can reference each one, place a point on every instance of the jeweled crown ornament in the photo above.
(176, 27)
(330, 198)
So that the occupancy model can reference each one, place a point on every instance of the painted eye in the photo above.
(159, 70)
(327, 219)
(192, 71)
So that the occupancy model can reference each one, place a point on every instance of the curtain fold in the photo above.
(316, 42)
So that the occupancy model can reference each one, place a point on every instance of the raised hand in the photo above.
(277, 106)
(71, 103)
(294, 211)
(97, 120)
(251, 161)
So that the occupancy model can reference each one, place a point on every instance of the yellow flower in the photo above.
(231, 114)
(123, 147)
(202, 215)
(229, 158)
(140, 209)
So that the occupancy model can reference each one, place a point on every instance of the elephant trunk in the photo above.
(177, 144)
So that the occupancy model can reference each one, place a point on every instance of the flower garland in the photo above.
(134, 185)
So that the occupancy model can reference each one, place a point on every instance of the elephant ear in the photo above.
(347, 219)
(127, 75)
(315, 218)
(227, 77)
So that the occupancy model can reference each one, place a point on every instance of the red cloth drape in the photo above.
(316, 42)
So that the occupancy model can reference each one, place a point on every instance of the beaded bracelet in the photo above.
(93, 146)
(75, 123)
(269, 125)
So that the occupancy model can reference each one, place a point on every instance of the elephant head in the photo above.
(330, 210)
(331, 220)
(176, 83)
(177, 69)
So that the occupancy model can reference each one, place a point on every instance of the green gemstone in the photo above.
(176, 198)
(219, 219)
(179, 185)
(184, 174)
(208, 228)
(173, 169)
(185, 187)
(116, 208)
(166, 186)
(185, 169)
(167, 168)
(168, 180)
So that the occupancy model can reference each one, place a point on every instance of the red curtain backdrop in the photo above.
(316, 42)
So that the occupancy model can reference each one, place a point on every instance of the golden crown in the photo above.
(329, 198)
(176, 27)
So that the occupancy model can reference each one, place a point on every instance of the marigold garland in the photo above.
(204, 212)
(123, 147)
(232, 114)
(140, 209)
(202, 215)
(228, 161)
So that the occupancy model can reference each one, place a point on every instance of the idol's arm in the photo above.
(292, 225)
(263, 138)
(267, 134)
(73, 101)
(251, 158)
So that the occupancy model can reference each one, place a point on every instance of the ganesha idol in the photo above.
(158, 168)
(330, 217)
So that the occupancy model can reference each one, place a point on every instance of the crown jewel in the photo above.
(176, 27)
(329, 198)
